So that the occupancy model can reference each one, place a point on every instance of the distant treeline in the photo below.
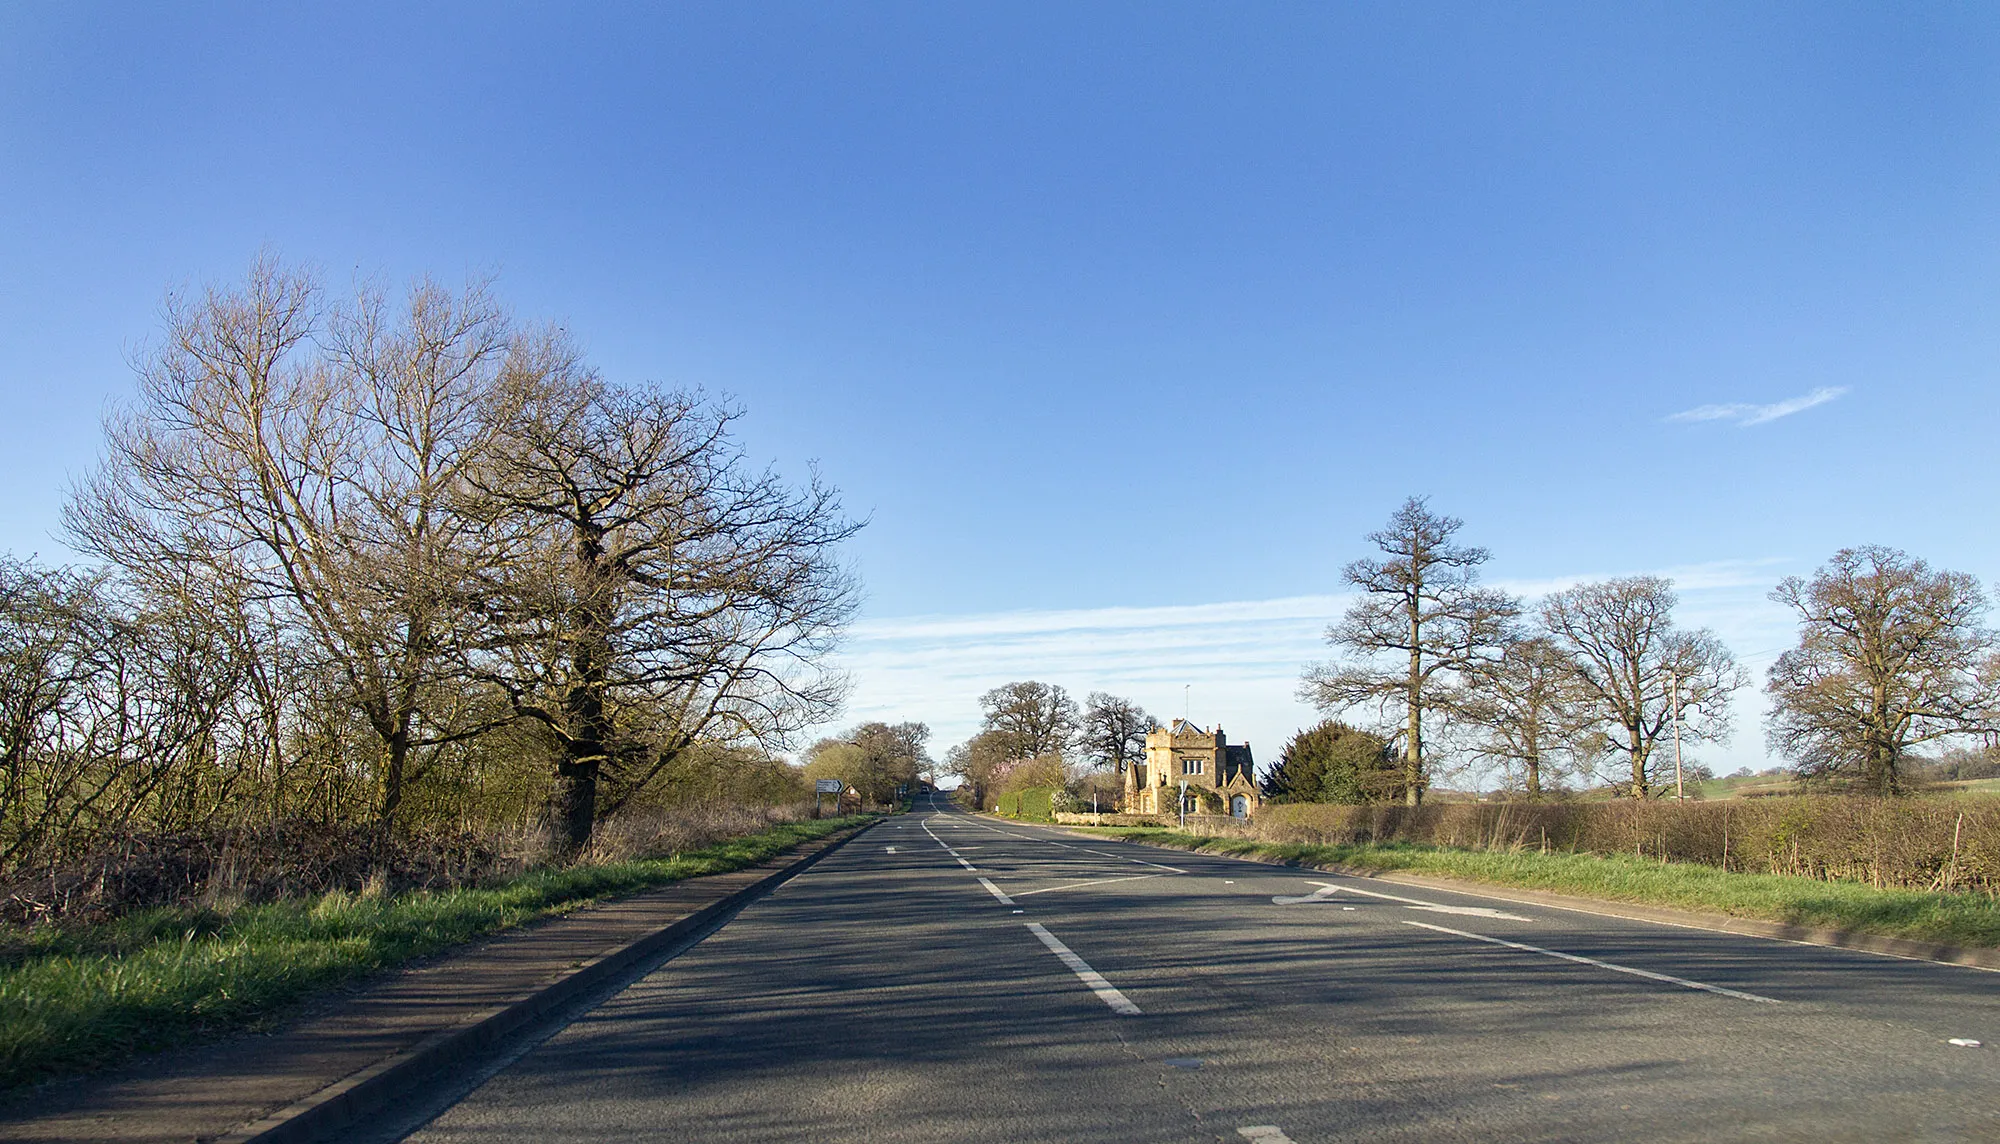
(1597, 685)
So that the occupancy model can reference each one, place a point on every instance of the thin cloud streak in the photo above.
(1242, 657)
(1745, 415)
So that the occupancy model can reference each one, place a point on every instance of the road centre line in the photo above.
(1581, 960)
(1105, 991)
(941, 842)
(1264, 1134)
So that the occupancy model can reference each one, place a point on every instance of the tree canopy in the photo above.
(1891, 654)
(1421, 621)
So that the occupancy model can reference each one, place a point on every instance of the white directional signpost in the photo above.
(827, 786)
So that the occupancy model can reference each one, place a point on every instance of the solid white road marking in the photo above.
(1327, 890)
(1324, 893)
(1580, 960)
(995, 891)
(1105, 991)
(1264, 1134)
(1098, 882)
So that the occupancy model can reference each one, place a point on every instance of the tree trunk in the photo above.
(583, 751)
(1413, 746)
(395, 759)
(588, 724)
(576, 804)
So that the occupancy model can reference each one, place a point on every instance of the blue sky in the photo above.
(1121, 323)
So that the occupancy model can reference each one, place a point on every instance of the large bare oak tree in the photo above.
(658, 590)
(1113, 731)
(1891, 654)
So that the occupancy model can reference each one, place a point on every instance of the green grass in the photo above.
(1952, 919)
(1740, 786)
(84, 998)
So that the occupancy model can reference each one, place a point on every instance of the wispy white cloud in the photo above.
(1743, 414)
(1242, 658)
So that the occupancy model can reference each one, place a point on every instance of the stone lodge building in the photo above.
(1216, 773)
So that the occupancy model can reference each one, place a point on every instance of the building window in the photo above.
(1192, 766)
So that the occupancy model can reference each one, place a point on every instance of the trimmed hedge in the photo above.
(1918, 844)
(1035, 804)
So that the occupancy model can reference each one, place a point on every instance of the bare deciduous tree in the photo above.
(1891, 654)
(658, 591)
(106, 713)
(1521, 710)
(311, 459)
(1422, 621)
(1032, 719)
(1113, 731)
(1629, 664)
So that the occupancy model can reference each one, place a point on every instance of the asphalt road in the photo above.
(946, 978)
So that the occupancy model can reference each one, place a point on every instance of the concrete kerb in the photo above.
(1969, 956)
(365, 1093)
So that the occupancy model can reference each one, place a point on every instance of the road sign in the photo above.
(826, 786)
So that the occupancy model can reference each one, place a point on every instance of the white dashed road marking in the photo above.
(1580, 960)
(1097, 882)
(995, 891)
(1264, 1134)
(1105, 991)
(1327, 890)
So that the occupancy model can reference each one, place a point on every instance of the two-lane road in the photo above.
(945, 978)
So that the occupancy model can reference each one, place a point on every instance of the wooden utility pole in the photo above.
(1680, 791)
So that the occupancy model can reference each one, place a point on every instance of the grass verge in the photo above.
(1951, 919)
(84, 998)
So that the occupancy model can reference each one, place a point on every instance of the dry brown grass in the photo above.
(1917, 844)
